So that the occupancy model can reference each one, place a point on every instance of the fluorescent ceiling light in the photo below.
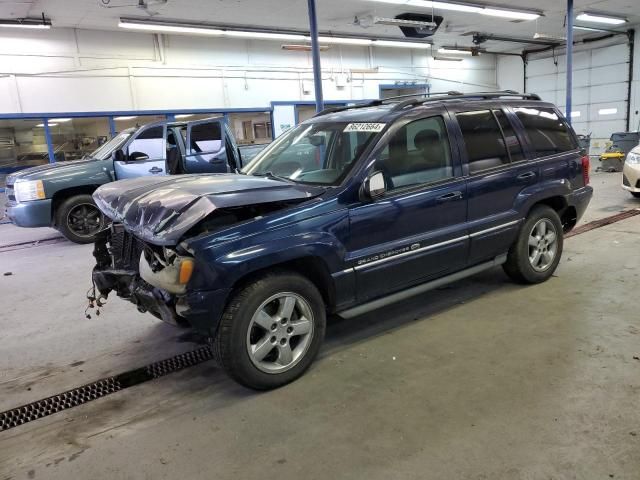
(184, 115)
(391, 43)
(264, 35)
(60, 120)
(345, 41)
(447, 59)
(589, 29)
(43, 24)
(125, 118)
(512, 14)
(600, 18)
(41, 125)
(158, 27)
(454, 51)
(469, 8)
(575, 114)
(607, 111)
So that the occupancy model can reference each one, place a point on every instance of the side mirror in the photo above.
(374, 186)
(119, 156)
(138, 157)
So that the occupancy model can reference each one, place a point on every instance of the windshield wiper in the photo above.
(270, 174)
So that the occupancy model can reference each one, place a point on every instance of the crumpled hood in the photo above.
(44, 172)
(160, 210)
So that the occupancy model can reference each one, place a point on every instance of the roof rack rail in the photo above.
(417, 99)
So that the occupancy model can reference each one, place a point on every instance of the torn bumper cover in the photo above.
(118, 259)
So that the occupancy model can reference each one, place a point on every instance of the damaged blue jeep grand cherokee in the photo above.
(353, 209)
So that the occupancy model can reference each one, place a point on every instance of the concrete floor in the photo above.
(483, 379)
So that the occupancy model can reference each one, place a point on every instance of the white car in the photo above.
(631, 172)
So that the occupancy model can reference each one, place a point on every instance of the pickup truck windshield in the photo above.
(103, 152)
(320, 153)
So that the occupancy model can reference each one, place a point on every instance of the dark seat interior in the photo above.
(174, 157)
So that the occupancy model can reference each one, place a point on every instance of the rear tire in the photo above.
(79, 219)
(271, 330)
(535, 254)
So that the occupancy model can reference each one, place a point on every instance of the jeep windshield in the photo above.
(104, 151)
(320, 153)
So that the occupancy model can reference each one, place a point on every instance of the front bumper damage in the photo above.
(118, 256)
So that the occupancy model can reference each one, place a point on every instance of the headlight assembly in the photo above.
(633, 158)
(27, 190)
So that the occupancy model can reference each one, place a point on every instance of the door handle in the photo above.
(449, 196)
(526, 175)
(155, 170)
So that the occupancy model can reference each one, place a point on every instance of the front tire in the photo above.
(79, 219)
(535, 254)
(271, 330)
(635, 194)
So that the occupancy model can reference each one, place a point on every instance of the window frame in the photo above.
(136, 135)
(188, 143)
(383, 142)
(521, 131)
(464, 153)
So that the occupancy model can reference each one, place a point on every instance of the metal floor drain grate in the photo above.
(602, 222)
(106, 386)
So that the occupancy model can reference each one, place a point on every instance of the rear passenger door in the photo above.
(205, 147)
(416, 231)
(497, 172)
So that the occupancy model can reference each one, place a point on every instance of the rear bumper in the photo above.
(36, 213)
(579, 199)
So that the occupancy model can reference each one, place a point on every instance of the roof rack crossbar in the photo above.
(418, 99)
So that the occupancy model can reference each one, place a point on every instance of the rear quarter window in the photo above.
(548, 133)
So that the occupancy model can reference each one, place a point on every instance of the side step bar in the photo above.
(424, 287)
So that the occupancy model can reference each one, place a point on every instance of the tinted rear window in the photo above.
(548, 133)
(483, 140)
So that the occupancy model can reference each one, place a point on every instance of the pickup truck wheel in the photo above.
(271, 331)
(79, 219)
(536, 253)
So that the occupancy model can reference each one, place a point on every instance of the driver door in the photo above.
(416, 230)
(144, 155)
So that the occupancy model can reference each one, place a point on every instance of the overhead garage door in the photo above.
(600, 87)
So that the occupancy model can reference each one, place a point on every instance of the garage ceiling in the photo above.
(333, 15)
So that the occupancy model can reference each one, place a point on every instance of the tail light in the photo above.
(585, 169)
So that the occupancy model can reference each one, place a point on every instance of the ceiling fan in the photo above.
(141, 4)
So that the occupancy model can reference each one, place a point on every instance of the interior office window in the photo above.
(206, 137)
(418, 153)
(513, 144)
(150, 142)
(73, 138)
(22, 144)
(549, 134)
(483, 140)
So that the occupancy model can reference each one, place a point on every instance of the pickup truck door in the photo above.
(205, 147)
(417, 229)
(144, 154)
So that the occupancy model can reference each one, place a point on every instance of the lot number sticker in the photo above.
(364, 127)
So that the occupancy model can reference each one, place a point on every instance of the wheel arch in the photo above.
(312, 267)
(65, 193)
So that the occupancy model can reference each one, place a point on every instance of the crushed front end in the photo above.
(153, 278)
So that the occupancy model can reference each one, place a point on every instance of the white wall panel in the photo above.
(600, 77)
(65, 70)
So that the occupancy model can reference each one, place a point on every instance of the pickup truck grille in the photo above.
(9, 192)
(125, 249)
